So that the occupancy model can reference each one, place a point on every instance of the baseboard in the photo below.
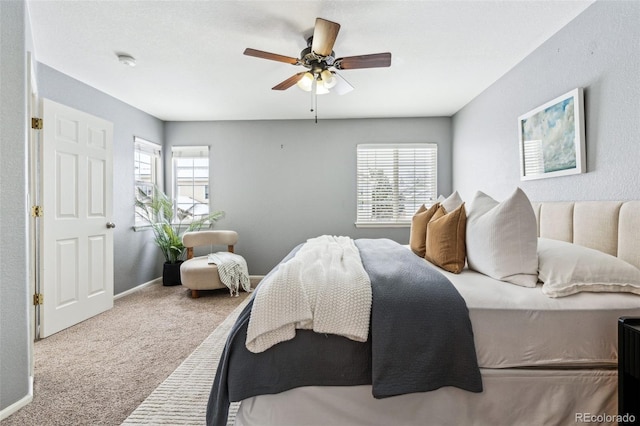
(255, 279)
(139, 287)
(18, 404)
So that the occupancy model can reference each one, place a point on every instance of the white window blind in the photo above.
(191, 180)
(393, 181)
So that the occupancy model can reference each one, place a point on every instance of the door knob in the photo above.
(111, 225)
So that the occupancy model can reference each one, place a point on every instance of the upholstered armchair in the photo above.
(196, 273)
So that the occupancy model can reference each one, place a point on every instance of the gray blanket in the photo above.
(420, 340)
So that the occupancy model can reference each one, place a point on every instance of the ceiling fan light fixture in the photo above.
(328, 79)
(306, 82)
(321, 88)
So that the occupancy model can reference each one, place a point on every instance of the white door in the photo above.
(77, 236)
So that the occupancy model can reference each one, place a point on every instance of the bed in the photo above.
(541, 359)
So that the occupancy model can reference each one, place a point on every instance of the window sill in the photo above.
(383, 224)
(185, 224)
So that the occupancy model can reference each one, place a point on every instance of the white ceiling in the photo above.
(190, 64)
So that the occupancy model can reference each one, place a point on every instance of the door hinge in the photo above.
(38, 299)
(36, 123)
(37, 211)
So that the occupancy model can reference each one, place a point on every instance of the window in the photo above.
(393, 181)
(147, 167)
(191, 180)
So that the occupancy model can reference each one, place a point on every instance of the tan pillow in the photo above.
(418, 235)
(445, 239)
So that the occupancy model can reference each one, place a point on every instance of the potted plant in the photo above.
(168, 225)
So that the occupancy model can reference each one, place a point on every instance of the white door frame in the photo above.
(33, 199)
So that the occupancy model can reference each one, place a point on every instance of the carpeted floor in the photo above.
(99, 371)
(182, 398)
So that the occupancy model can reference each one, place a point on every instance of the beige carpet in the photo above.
(99, 371)
(182, 398)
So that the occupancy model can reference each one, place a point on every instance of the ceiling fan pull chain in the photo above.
(314, 98)
(313, 92)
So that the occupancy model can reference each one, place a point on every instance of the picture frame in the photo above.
(552, 139)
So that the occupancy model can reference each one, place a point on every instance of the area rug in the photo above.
(182, 398)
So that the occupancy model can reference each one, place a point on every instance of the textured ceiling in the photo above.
(190, 64)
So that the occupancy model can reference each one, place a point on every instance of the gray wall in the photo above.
(599, 51)
(14, 221)
(281, 182)
(137, 259)
(274, 196)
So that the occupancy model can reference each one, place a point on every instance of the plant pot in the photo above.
(171, 273)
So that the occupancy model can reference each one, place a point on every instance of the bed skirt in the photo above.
(510, 396)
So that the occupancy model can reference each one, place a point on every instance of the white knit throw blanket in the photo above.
(324, 288)
(233, 271)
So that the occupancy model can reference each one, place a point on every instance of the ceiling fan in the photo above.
(319, 59)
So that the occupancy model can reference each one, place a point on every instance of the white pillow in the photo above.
(502, 238)
(450, 203)
(567, 268)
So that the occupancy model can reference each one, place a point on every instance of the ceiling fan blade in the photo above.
(324, 36)
(288, 82)
(342, 86)
(270, 56)
(376, 60)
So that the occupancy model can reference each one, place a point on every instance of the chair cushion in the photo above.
(199, 274)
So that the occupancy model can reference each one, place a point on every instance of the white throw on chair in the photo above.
(196, 273)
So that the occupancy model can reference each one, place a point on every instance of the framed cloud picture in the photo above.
(552, 138)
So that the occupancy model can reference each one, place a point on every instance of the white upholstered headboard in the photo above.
(612, 227)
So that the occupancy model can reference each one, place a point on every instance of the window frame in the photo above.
(394, 161)
(154, 150)
(191, 152)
